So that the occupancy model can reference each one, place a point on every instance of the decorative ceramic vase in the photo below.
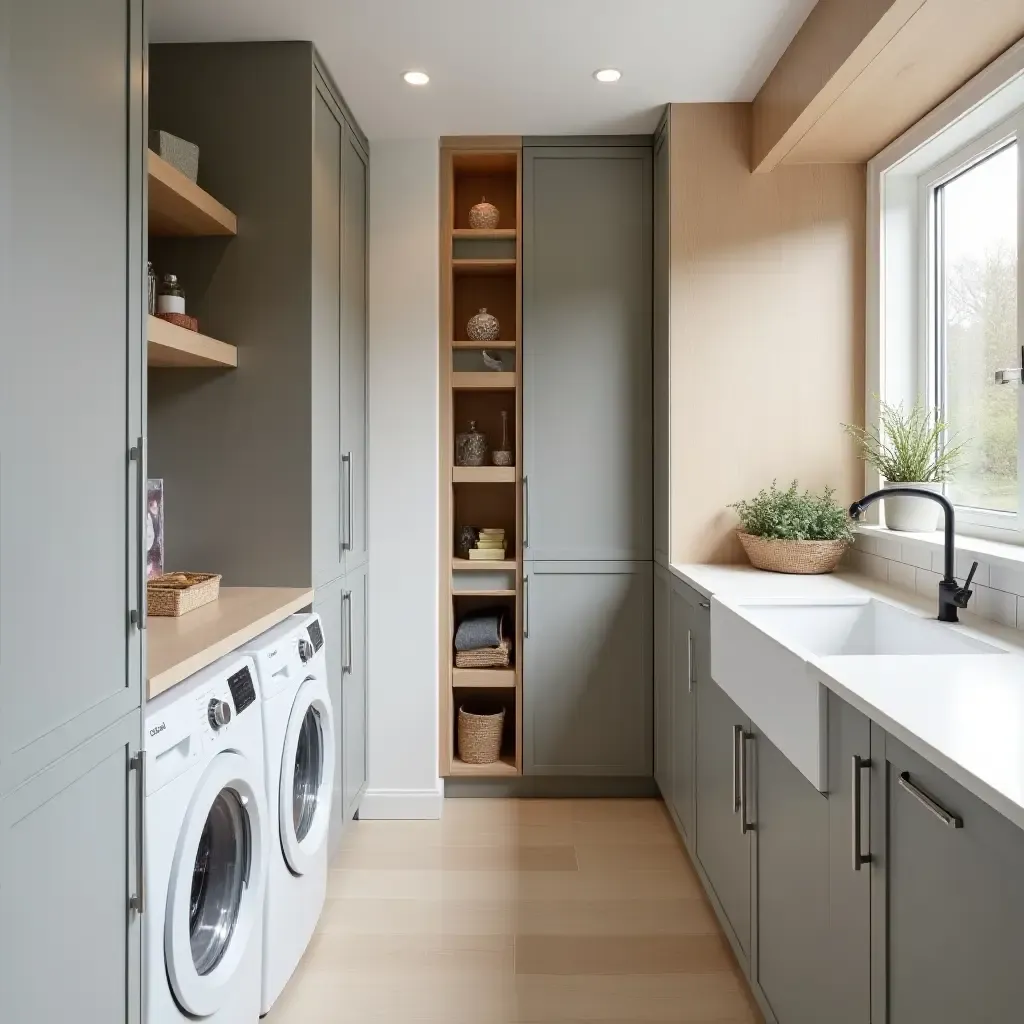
(483, 327)
(471, 447)
(908, 514)
(484, 216)
(503, 456)
(465, 540)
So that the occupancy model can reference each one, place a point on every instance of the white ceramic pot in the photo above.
(907, 514)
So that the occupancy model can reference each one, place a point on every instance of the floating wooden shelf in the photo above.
(484, 233)
(484, 678)
(483, 474)
(476, 346)
(170, 345)
(483, 268)
(483, 593)
(483, 565)
(486, 380)
(179, 208)
(500, 768)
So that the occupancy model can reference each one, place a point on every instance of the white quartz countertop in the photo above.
(964, 713)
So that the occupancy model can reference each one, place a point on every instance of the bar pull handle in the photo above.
(940, 812)
(857, 766)
(689, 660)
(138, 456)
(745, 825)
(138, 900)
(526, 607)
(737, 739)
(345, 502)
(346, 604)
(526, 512)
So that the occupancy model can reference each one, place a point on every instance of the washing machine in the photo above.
(299, 753)
(206, 848)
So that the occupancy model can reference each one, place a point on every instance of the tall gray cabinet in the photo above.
(71, 412)
(586, 349)
(264, 466)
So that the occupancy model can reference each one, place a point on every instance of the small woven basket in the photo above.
(190, 323)
(178, 593)
(480, 736)
(801, 557)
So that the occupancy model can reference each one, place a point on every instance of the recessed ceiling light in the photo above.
(416, 77)
(608, 75)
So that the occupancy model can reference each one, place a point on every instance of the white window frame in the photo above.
(982, 116)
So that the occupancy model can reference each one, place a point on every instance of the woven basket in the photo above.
(480, 736)
(190, 323)
(485, 657)
(177, 593)
(802, 557)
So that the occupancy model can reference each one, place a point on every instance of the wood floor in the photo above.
(517, 912)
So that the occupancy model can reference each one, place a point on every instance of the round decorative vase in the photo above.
(465, 540)
(471, 447)
(484, 216)
(502, 457)
(483, 327)
(799, 557)
(907, 514)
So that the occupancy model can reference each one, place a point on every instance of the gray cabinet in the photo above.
(691, 664)
(587, 699)
(587, 351)
(663, 684)
(724, 849)
(954, 895)
(660, 393)
(353, 690)
(328, 604)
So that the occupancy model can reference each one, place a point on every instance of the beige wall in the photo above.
(766, 326)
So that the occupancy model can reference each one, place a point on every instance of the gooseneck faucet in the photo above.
(951, 595)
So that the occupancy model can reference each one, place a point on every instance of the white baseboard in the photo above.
(400, 804)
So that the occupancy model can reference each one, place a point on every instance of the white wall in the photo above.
(403, 481)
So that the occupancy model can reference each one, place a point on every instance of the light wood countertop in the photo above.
(179, 647)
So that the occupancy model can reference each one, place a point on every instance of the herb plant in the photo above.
(792, 515)
(908, 447)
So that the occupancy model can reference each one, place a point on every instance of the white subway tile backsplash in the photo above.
(888, 547)
(917, 556)
(903, 575)
(995, 605)
(1009, 580)
(964, 562)
(927, 583)
(870, 565)
(865, 543)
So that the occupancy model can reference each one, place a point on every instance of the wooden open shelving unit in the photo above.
(170, 345)
(179, 208)
(480, 269)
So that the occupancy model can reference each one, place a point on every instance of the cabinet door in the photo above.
(587, 351)
(329, 606)
(955, 898)
(663, 684)
(662, 267)
(71, 280)
(690, 635)
(353, 690)
(587, 676)
(792, 890)
(722, 848)
(326, 385)
(68, 842)
(848, 970)
(353, 351)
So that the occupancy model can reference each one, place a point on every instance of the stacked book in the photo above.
(490, 546)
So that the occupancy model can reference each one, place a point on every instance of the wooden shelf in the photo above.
(180, 208)
(476, 346)
(483, 268)
(483, 474)
(483, 565)
(499, 769)
(485, 380)
(484, 233)
(484, 678)
(170, 345)
(483, 593)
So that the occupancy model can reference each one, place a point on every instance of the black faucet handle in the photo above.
(964, 593)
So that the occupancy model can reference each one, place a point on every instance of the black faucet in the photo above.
(951, 595)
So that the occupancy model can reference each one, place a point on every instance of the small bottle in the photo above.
(151, 292)
(172, 297)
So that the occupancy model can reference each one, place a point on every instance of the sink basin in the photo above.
(860, 628)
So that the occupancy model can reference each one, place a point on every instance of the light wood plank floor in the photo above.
(517, 912)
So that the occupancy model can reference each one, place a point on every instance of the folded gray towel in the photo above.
(480, 629)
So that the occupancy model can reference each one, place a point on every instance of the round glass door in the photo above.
(308, 775)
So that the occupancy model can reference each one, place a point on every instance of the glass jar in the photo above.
(470, 447)
(151, 289)
(172, 296)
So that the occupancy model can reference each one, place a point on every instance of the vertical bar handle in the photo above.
(138, 900)
(346, 632)
(689, 660)
(345, 502)
(526, 512)
(745, 824)
(857, 765)
(138, 456)
(737, 739)
(526, 607)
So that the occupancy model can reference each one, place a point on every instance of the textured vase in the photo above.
(471, 447)
(484, 216)
(483, 327)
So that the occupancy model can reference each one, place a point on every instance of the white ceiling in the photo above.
(516, 67)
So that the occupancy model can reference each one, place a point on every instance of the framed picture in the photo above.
(154, 528)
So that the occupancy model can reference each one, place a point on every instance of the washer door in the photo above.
(215, 896)
(307, 776)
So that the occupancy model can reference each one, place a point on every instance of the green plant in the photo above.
(908, 447)
(790, 515)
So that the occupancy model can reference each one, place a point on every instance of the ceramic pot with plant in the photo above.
(793, 532)
(909, 449)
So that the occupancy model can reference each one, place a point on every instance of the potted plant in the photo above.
(908, 449)
(794, 532)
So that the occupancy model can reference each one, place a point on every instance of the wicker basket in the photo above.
(178, 593)
(189, 323)
(802, 557)
(480, 736)
(485, 657)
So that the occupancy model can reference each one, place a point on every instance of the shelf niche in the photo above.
(485, 699)
(486, 175)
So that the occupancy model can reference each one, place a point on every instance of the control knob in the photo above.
(305, 650)
(219, 713)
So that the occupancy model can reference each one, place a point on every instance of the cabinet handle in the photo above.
(526, 512)
(706, 604)
(745, 825)
(138, 456)
(138, 765)
(346, 632)
(940, 812)
(526, 607)
(345, 501)
(689, 660)
(857, 765)
(737, 739)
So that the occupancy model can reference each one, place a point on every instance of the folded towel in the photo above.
(484, 628)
